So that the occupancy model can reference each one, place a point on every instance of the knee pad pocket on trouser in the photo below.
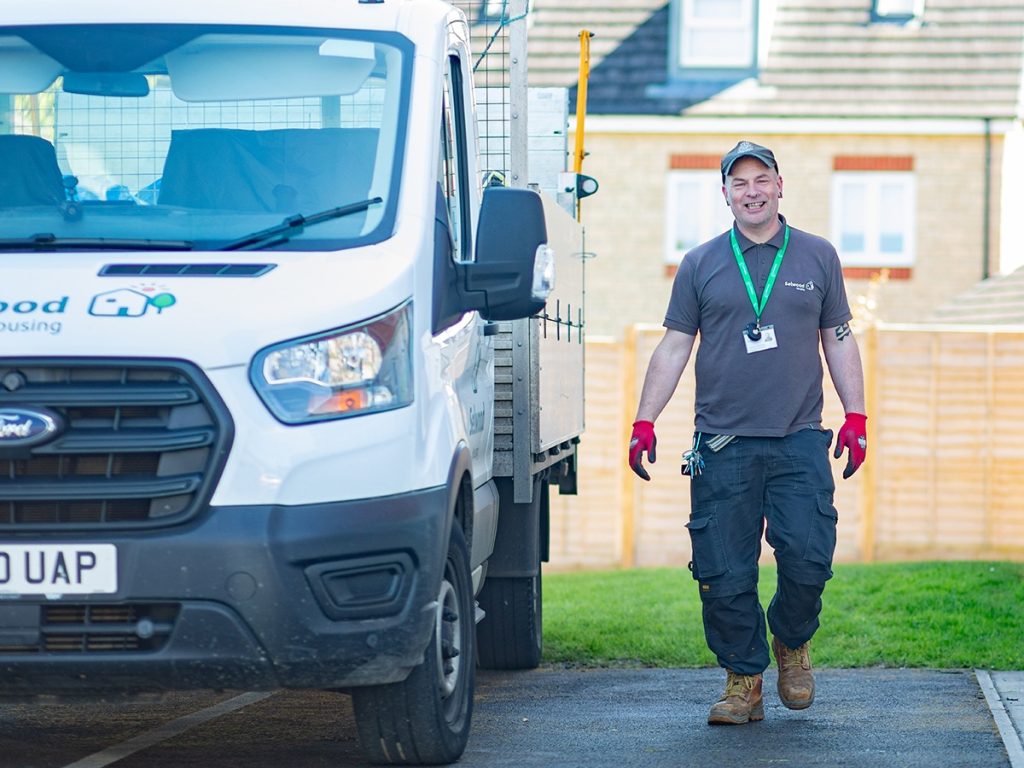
(710, 565)
(821, 532)
(709, 558)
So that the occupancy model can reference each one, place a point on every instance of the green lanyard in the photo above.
(745, 273)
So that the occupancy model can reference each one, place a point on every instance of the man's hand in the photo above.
(643, 439)
(853, 435)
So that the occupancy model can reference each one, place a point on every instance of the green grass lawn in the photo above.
(949, 615)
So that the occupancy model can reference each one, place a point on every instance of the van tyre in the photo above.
(511, 633)
(510, 636)
(425, 719)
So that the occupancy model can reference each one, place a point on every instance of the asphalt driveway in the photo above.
(556, 718)
(652, 718)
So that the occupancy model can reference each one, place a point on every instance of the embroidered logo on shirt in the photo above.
(808, 286)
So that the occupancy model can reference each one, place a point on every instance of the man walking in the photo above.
(763, 297)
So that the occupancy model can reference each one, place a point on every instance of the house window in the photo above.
(896, 10)
(492, 10)
(695, 211)
(873, 217)
(716, 34)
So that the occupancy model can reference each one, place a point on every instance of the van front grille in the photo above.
(98, 628)
(139, 444)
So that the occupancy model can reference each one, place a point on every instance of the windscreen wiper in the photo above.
(45, 241)
(294, 225)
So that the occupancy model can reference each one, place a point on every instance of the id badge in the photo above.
(767, 340)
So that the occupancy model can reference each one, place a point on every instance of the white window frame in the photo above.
(872, 254)
(898, 9)
(712, 215)
(743, 26)
(491, 9)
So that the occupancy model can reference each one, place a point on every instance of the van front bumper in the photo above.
(332, 595)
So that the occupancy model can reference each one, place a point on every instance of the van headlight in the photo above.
(363, 368)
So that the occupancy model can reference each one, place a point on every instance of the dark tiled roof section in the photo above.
(628, 53)
(618, 84)
(998, 300)
(826, 58)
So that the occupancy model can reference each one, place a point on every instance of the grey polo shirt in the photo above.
(774, 392)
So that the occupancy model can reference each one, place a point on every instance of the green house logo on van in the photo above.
(128, 302)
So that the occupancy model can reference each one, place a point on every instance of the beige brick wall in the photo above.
(625, 220)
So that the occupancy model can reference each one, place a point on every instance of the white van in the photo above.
(256, 318)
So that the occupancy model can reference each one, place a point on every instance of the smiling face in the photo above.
(752, 190)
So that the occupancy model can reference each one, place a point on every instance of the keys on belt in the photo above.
(693, 462)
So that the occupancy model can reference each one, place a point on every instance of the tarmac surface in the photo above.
(654, 718)
(556, 717)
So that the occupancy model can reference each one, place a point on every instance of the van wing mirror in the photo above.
(513, 273)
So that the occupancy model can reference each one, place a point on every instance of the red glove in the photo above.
(853, 435)
(643, 439)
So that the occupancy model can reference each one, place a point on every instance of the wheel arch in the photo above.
(460, 490)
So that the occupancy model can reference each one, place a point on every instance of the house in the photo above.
(894, 123)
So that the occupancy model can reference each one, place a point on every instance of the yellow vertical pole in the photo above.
(581, 99)
(581, 106)
(629, 375)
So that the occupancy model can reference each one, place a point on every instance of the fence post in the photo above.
(867, 496)
(628, 407)
(988, 457)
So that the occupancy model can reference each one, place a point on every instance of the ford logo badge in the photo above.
(25, 427)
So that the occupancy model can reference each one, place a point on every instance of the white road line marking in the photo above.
(166, 731)
(1010, 738)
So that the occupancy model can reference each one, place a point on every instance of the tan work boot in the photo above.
(796, 680)
(741, 702)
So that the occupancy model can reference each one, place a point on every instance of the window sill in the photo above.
(870, 273)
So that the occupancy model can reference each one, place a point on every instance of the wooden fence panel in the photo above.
(661, 507)
(949, 416)
(587, 530)
(1006, 458)
(944, 477)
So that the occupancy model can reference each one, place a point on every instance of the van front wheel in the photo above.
(425, 719)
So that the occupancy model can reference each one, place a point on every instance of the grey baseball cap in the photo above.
(747, 149)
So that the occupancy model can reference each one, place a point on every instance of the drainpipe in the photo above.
(987, 202)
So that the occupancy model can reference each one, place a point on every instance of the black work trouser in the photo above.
(782, 482)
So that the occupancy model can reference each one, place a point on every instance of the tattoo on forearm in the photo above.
(843, 332)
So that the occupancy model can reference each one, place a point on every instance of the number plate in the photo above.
(58, 569)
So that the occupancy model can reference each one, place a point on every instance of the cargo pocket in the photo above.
(821, 538)
(708, 552)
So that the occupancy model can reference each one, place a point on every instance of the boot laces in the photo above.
(738, 685)
(795, 658)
